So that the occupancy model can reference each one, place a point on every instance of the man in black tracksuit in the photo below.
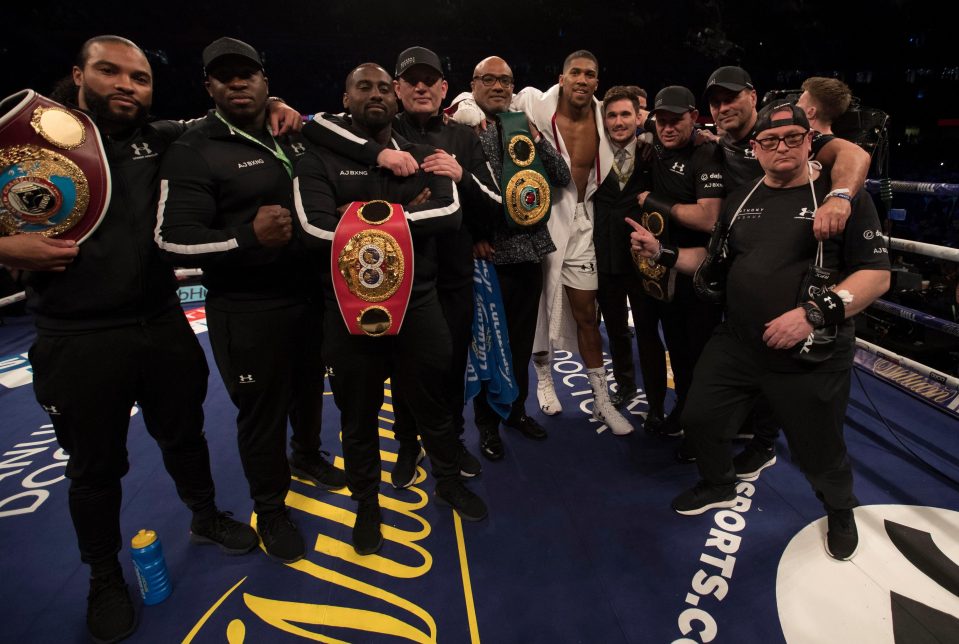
(226, 195)
(417, 359)
(111, 333)
(458, 154)
(688, 188)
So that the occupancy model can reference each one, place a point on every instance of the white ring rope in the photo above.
(918, 367)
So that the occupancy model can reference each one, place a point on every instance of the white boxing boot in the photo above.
(603, 409)
(545, 392)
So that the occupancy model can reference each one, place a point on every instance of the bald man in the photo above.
(516, 252)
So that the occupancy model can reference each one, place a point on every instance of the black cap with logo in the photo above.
(417, 56)
(674, 98)
(733, 78)
(765, 121)
(224, 47)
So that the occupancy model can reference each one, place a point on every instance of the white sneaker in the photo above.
(605, 413)
(545, 392)
(603, 409)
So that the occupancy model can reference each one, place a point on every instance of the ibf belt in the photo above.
(54, 178)
(372, 263)
(658, 281)
(526, 195)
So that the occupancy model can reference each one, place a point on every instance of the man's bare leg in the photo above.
(583, 305)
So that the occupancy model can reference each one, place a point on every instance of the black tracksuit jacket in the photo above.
(326, 180)
(213, 181)
(478, 191)
(118, 278)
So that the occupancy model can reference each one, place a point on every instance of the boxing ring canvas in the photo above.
(580, 544)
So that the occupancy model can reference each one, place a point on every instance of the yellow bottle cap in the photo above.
(143, 538)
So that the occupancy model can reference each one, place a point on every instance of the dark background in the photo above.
(898, 56)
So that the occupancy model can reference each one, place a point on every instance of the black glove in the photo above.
(709, 280)
(659, 203)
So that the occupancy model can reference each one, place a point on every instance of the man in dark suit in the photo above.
(618, 282)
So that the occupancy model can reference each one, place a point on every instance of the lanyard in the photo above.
(277, 152)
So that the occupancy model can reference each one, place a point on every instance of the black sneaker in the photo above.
(703, 497)
(671, 426)
(367, 537)
(281, 539)
(233, 537)
(528, 427)
(653, 423)
(320, 471)
(751, 461)
(622, 396)
(842, 537)
(454, 494)
(491, 445)
(469, 464)
(684, 453)
(404, 470)
(110, 613)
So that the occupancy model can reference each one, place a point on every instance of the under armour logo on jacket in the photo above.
(141, 149)
(678, 167)
(51, 409)
(247, 378)
(298, 148)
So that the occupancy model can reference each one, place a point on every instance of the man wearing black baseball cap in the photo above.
(111, 332)
(226, 46)
(225, 207)
(754, 352)
(687, 193)
(419, 353)
(421, 88)
(732, 103)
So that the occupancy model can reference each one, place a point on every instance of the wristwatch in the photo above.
(813, 315)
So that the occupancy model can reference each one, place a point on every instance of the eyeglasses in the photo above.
(489, 80)
(793, 140)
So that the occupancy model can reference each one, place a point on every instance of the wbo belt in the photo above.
(54, 177)
(658, 281)
(372, 267)
(526, 195)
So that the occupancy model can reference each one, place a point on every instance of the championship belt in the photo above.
(372, 263)
(524, 187)
(658, 281)
(54, 178)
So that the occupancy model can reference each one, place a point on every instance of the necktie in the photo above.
(619, 167)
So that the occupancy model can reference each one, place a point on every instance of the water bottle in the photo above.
(152, 575)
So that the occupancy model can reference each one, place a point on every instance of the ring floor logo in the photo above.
(571, 373)
(901, 587)
(334, 592)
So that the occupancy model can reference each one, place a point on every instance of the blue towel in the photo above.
(490, 359)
